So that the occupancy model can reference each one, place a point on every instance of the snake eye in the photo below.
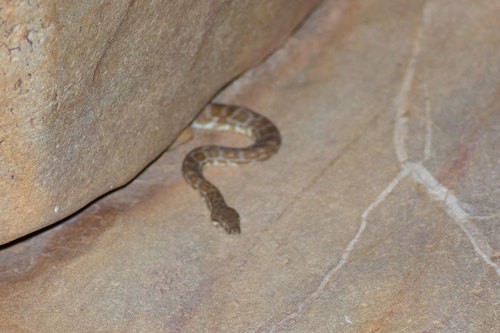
(232, 229)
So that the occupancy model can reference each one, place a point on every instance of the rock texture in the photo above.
(379, 214)
(92, 91)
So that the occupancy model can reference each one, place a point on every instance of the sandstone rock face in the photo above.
(92, 91)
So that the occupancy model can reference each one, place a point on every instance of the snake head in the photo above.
(227, 218)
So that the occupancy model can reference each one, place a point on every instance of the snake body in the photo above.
(228, 118)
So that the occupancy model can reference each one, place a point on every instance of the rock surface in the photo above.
(93, 91)
(379, 214)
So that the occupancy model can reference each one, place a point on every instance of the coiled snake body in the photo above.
(228, 118)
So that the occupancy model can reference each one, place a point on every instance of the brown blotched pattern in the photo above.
(228, 118)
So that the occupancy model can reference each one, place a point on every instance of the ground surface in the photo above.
(379, 214)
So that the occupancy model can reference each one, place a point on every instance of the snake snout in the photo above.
(227, 218)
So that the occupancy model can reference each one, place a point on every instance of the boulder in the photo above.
(93, 91)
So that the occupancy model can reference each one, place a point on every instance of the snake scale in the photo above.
(267, 141)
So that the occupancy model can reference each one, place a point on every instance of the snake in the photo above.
(221, 117)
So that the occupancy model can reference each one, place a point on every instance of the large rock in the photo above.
(92, 91)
